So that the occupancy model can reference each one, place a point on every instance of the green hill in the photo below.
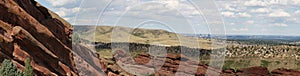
(108, 34)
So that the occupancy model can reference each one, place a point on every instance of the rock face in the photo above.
(253, 71)
(87, 62)
(287, 72)
(145, 65)
(29, 30)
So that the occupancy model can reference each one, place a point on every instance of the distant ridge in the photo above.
(141, 35)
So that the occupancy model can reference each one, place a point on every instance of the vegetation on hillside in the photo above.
(10, 69)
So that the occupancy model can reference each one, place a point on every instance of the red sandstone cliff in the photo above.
(29, 30)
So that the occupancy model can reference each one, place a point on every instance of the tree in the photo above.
(8, 69)
(19, 73)
(28, 71)
(76, 38)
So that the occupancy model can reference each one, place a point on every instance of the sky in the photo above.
(240, 17)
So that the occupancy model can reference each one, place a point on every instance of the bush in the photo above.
(265, 63)
(76, 38)
(227, 65)
(9, 69)
(28, 71)
(19, 73)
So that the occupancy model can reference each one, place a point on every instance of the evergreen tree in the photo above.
(8, 68)
(28, 71)
(19, 73)
(76, 38)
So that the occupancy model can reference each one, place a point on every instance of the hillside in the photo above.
(141, 35)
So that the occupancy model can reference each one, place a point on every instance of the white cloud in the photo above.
(296, 2)
(240, 29)
(67, 11)
(172, 4)
(250, 22)
(237, 12)
(279, 13)
(260, 10)
(228, 14)
(271, 2)
(232, 14)
(61, 13)
(244, 14)
(166, 8)
(264, 30)
(61, 2)
(280, 25)
(232, 23)
(255, 3)
(297, 12)
(230, 8)
(292, 20)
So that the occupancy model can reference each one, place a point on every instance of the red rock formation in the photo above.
(171, 64)
(29, 30)
(285, 72)
(253, 71)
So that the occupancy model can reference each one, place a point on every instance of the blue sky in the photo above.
(242, 17)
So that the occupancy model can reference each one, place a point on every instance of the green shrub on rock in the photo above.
(8, 69)
(28, 71)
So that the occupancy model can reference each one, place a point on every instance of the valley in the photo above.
(240, 53)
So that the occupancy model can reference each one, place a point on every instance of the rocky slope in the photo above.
(280, 51)
(174, 64)
(29, 30)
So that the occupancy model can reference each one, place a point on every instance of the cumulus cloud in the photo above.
(296, 2)
(279, 13)
(262, 13)
(260, 10)
(228, 14)
(280, 25)
(240, 29)
(244, 14)
(264, 3)
(250, 22)
(172, 4)
(61, 2)
(233, 14)
(67, 11)
(230, 8)
(171, 8)
(297, 12)
(256, 3)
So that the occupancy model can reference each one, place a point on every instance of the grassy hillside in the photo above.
(109, 34)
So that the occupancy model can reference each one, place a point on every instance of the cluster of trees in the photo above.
(9, 69)
(261, 42)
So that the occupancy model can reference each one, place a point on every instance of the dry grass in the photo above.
(109, 34)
